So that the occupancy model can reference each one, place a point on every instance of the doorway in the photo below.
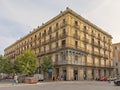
(75, 74)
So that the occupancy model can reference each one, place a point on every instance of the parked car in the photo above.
(117, 82)
(103, 79)
(113, 78)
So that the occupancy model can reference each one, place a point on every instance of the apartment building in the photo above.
(80, 50)
(116, 58)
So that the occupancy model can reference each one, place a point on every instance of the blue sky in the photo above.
(19, 17)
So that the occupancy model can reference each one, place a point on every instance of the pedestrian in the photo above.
(109, 79)
(53, 78)
(15, 79)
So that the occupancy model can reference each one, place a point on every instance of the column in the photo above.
(80, 73)
(69, 73)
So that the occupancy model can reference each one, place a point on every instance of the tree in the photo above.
(6, 66)
(47, 64)
(26, 63)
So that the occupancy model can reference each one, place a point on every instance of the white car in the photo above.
(113, 78)
(40, 77)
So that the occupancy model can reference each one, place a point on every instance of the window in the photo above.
(56, 34)
(76, 23)
(76, 32)
(98, 35)
(50, 30)
(39, 50)
(56, 24)
(56, 58)
(56, 44)
(63, 42)
(31, 38)
(39, 42)
(84, 27)
(40, 35)
(44, 49)
(49, 46)
(64, 21)
(92, 31)
(76, 59)
(76, 44)
(63, 57)
(64, 31)
(104, 38)
(92, 40)
(44, 32)
(35, 37)
(50, 37)
(98, 42)
(31, 45)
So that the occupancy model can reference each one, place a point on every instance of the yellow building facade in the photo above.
(80, 50)
(116, 58)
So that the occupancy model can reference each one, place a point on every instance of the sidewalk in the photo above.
(10, 84)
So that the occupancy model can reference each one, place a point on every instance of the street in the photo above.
(63, 85)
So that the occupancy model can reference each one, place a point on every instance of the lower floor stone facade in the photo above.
(70, 72)
(73, 64)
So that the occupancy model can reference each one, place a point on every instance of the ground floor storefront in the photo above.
(80, 73)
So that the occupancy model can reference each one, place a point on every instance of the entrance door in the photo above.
(75, 74)
(64, 74)
(57, 71)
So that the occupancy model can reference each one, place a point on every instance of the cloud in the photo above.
(107, 16)
(18, 17)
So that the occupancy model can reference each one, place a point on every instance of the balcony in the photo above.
(63, 35)
(93, 34)
(76, 26)
(105, 47)
(56, 28)
(99, 37)
(90, 64)
(63, 24)
(68, 62)
(94, 53)
(104, 40)
(76, 36)
(63, 48)
(84, 39)
(95, 44)
(100, 46)
(106, 56)
(53, 39)
(85, 31)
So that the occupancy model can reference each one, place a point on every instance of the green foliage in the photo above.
(26, 63)
(5, 65)
(47, 63)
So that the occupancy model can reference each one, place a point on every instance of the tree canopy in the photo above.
(26, 63)
(6, 66)
(47, 63)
